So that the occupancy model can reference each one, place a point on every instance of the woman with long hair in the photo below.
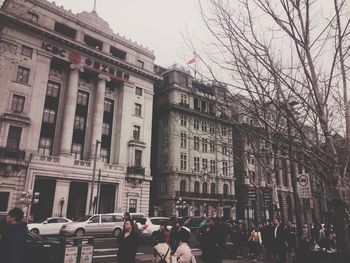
(127, 243)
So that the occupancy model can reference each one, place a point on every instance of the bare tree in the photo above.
(290, 60)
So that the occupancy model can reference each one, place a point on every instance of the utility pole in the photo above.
(93, 178)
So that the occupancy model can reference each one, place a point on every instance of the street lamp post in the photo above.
(93, 177)
(180, 206)
(61, 204)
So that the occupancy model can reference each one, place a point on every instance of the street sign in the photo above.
(86, 254)
(303, 186)
(71, 254)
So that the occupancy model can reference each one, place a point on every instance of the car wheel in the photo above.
(35, 230)
(116, 232)
(79, 232)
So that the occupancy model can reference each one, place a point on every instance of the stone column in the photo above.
(69, 111)
(61, 193)
(98, 113)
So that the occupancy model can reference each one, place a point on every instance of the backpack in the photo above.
(163, 259)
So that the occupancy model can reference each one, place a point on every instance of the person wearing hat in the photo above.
(177, 231)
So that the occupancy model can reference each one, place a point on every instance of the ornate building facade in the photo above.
(192, 162)
(72, 88)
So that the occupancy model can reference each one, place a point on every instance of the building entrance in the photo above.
(107, 198)
(46, 188)
(77, 200)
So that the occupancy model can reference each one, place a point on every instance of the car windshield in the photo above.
(84, 218)
(157, 221)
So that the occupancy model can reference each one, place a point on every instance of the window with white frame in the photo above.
(204, 126)
(211, 128)
(183, 161)
(196, 164)
(196, 187)
(183, 98)
(138, 91)
(22, 74)
(136, 132)
(82, 98)
(77, 151)
(205, 164)
(212, 166)
(183, 119)
(49, 116)
(224, 168)
(183, 140)
(196, 124)
(138, 158)
(79, 123)
(204, 144)
(106, 128)
(132, 205)
(27, 52)
(17, 103)
(212, 146)
(53, 89)
(45, 146)
(104, 155)
(138, 110)
(108, 105)
(196, 143)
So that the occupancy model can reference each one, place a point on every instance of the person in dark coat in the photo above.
(280, 241)
(175, 234)
(268, 239)
(212, 242)
(127, 243)
(14, 239)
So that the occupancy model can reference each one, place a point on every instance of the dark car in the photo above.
(193, 223)
(42, 250)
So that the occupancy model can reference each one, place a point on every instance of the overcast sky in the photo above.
(161, 25)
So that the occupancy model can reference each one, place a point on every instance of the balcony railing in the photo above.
(136, 170)
(205, 195)
(12, 154)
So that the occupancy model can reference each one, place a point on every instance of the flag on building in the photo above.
(192, 60)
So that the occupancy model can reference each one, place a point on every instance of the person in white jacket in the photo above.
(183, 253)
(161, 250)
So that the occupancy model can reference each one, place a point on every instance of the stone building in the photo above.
(71, 86)
(192, 164)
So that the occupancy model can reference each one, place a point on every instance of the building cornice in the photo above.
(77, 46)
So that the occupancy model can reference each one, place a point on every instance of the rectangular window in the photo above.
(138, 91)
(205, 164)
(45, 145)
(196, 104)
(212, 166)
(106, 128)
(204, 106)
(77, 151)
(183, 120)
(224, 168)
(183, 140)
(212, 146)
(138, 108)
(204, 145)
(22, 74)
(224, 149)
(49, 116)
(132, 205)
(140, 63)
(211, 128)
(138, 158)
(196, 143)
(14, 138)
(17, 103)
(204, 126)
(4, 200)
(104, 155)
(64, 30)
(79, 123)
(33, 17)
(136, 132)
(82, 98)
(196, 164)
(93, 42)
(196, 124)
(27, 51)
(108, 105)
(183, 99)
(115, 52)
(183, 80)
(53, 89)
(183, 161)
(223, 130)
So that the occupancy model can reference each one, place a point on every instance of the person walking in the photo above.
(183, 252)
(212, 242)
(161, 251)
(280, 241)
(291, 238)
(162, 233)
(176, 232)
(14, 239)
(127, 243)
(268, 239)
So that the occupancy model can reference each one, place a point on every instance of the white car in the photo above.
(50, 226)
(150, 225)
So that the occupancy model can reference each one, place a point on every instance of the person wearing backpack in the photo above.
(161, 251)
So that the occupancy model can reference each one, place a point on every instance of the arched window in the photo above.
(225, 190)
(182, 186)
(196, 187)
(212, 188)
(205, 188)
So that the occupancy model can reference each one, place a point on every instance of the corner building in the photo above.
(192, 161)
(68, 83)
